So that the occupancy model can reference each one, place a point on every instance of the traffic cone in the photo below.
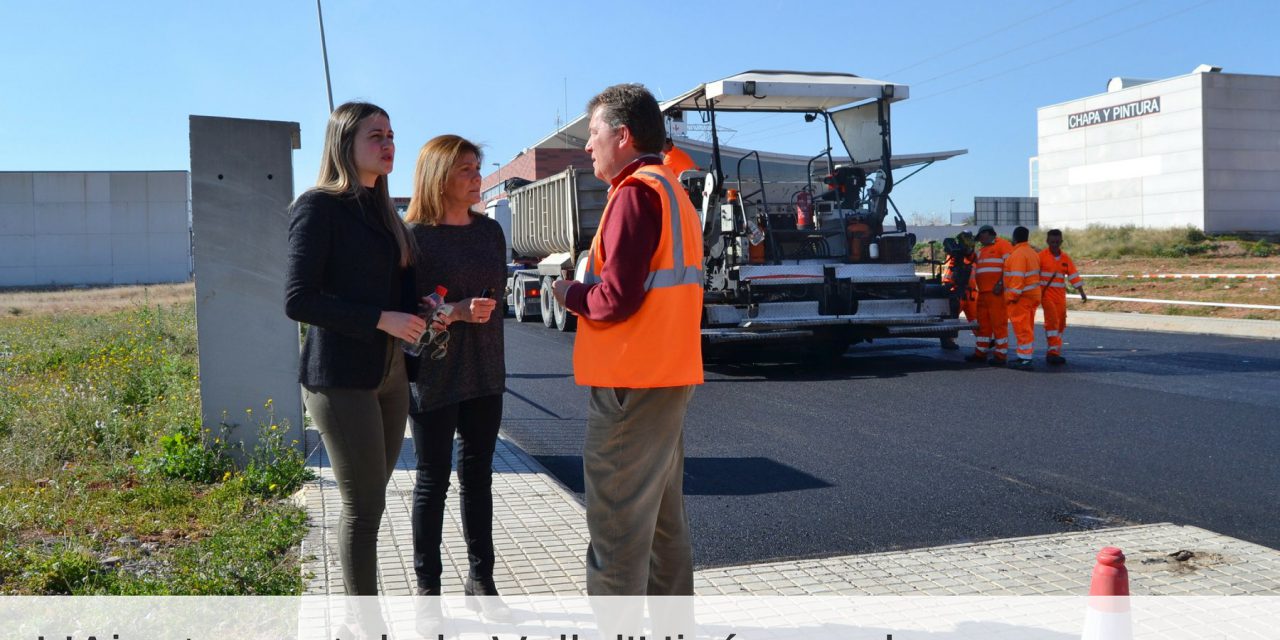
(1110, 577)
(1107, 617)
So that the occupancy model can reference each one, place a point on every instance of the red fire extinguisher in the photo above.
(804, 210)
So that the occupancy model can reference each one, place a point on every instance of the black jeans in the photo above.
(476, 422)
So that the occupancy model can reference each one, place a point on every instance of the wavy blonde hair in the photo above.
(338, 174)
(435, 160)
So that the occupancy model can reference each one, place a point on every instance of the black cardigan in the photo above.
(343, 273)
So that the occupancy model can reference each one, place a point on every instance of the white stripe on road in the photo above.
(1187, 302)
(1189, 276)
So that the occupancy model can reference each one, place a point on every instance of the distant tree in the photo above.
(927, 219)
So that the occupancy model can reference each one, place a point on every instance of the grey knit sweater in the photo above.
(466, 260)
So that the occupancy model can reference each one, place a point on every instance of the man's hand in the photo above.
(560, 289)
(999, 288)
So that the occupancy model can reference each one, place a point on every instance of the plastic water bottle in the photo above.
(437, 307)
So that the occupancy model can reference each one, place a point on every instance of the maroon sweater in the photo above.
(630, 235)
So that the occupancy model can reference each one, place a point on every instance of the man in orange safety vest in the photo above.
(676, 159)
(1057, 269)
(1022, 294)
(992, 336)
(638, 348)
(957, 277)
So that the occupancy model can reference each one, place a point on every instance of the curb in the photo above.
(1262, 329)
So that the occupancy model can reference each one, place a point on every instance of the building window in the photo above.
(1033, 171)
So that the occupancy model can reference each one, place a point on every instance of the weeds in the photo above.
(1131, 241)
(275, 468)
(109, 484)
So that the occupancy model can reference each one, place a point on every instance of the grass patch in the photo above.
(1131, 241)
(109, 484)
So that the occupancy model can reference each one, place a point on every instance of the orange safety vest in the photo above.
(949, 277)
(1056, 272)
(678, 161)
(988, 269)
(1022, 274)
(660, 345)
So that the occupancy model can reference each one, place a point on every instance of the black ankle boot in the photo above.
(482, 596)
(427, 613)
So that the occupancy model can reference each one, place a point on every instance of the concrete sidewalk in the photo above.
(1238, 328)
(540, 535)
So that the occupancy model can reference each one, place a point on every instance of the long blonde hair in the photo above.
(435, 160)
(338, 174)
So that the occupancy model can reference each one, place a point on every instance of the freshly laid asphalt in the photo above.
(901, 445)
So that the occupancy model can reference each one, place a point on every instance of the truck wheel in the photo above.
(565, 321)
(548, 302)
(523, 312)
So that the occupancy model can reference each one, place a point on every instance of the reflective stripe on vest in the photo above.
(659, 345)
(679, 273)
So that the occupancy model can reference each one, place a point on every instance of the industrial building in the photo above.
(1200, 150)
(94, 227)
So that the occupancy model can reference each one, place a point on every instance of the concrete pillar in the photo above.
(241, 187)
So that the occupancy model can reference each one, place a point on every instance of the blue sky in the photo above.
(109, 86)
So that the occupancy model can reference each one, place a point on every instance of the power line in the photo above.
(1065, 51)
(1035, 42)
(977, 39)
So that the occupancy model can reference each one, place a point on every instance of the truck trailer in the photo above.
(798, 252)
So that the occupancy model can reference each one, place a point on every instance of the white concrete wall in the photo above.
(241, 187)
(1146, 171)
(94, 228)
(1242, 153)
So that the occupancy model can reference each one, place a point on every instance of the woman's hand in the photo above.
(477, 310)
(405, 326)
(439, 321)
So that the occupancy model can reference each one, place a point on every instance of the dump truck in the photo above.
(799, 250)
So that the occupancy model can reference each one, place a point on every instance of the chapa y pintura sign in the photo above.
(1111, 114)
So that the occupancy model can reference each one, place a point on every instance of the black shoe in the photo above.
(427, 616)
(949, 344)
(998, 362)
(1021, 364)
(1055, 359)
(975, 358)
(482, 597)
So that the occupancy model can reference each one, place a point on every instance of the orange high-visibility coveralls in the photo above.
(969, 296)
(678, 161)
(1055, 273)
(993, 323)
(1022, 295)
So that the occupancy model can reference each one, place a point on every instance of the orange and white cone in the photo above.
(1108, 617)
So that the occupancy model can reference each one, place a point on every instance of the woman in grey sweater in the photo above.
(462, 392)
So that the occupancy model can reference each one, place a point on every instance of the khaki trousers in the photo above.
(362, 431)
(633, 465)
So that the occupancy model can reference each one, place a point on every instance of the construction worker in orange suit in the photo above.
(992, 337)
(1057, 269)
(957, 277)
(1022, 295)
(676, 159)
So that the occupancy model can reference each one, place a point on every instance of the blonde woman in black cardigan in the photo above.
(351, 278)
